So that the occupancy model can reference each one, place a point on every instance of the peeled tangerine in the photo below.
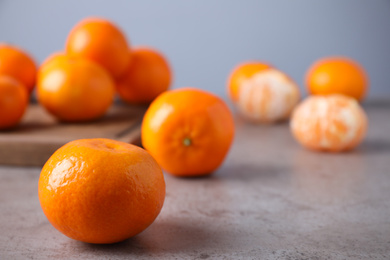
(268, 95)
(330, 123)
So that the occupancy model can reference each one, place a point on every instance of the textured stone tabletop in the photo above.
(271, 199)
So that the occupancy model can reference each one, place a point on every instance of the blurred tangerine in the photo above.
(13, 102)
(241, 73)
(75, 89)
(101, 41)
(262, 93)
(330, 123)
(16, 63)
(337, 75)
(146, 77)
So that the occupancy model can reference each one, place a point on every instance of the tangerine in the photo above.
(16, 63)
(75, 89)
(101, 41)
(262, 94)
(332, 123)
(241, 73)
(146, 77)
(13, 102)
(188, 131)
(337, 75)
(101, 190)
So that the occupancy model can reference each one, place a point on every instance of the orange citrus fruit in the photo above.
(330, 123)
(55, 57)
(75, 89)
(13, 102)
(188, 131)
(100, 40)
(261, 93)
(146, 77)
(337, 75)
(101, 190)
(241, 73)
(16, 63)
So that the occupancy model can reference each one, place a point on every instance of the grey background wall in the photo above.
(204, 40)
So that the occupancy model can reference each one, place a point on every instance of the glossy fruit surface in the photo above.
(16, 63)
(337, 75)
(13, 102)
(330, 123)
(147, 76)
(188, 131)
(56, 57)
(101, 41)
(101, 190)
(75, 89)
(241, 73)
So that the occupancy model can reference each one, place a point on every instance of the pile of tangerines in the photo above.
(79, 83)
(104, 191)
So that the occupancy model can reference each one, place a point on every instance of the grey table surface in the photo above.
(271, 199)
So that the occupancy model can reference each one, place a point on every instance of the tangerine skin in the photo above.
(55, 57)
(18, 64)
(13, 102)
(337, 75)
(101, 41)
(147, 76)
(75, 90)
(332, 123)
(188, 131)
(241, 73)
(101, 191)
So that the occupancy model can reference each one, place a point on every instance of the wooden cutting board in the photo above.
(39, 134)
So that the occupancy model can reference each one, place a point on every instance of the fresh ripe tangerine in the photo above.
(16, 63)
(330, 123)
(264, 95)
(100, 40)
(188, 131)
(146, 77)
(241, 73)
(75, 89)
(337, 75)
(13, 101)
(101, 190)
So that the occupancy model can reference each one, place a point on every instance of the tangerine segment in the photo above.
(337, 75)
(330, 123)
(75, 89)
(101, 41)
(188, 131)
(101, 190)
(241, 73)
(17, 64)
(13, 102)
(147, 76)
(267, 96)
